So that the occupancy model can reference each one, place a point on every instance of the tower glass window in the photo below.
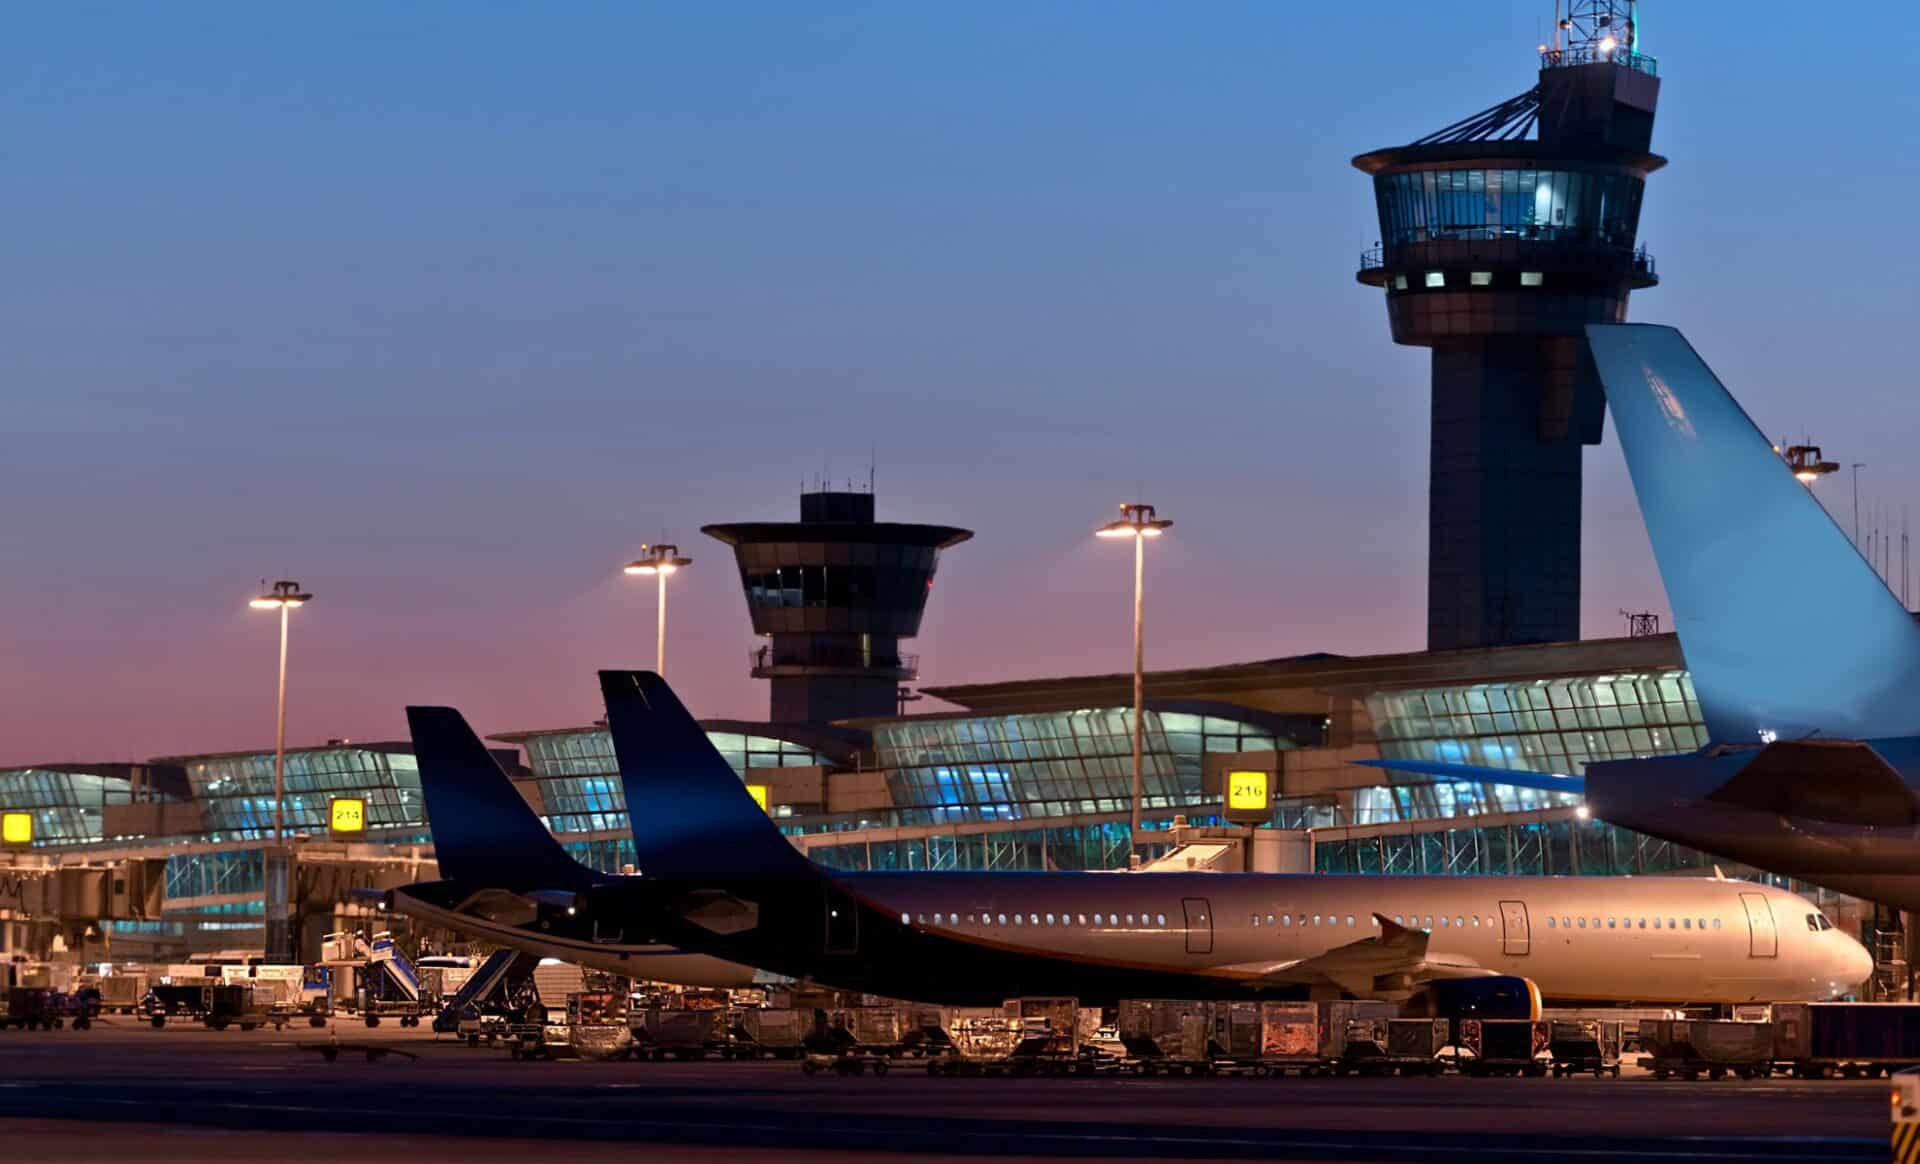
(1424, 205)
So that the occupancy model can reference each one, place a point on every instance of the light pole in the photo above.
(284, 597)
(1137, 521)
(1857, 466)
(659, 561)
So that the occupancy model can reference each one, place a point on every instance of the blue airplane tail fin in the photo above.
(484, 832)
(691, 815)
(1786, 628)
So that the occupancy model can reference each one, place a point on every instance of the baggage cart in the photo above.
(597, 1022)
(1392, 1046)
(985, 1041)
(171, 1000)
(1502, 1047)
(1578, 1046)
(877, 1029)
(42, 1008)
(233, 1005)
(1815, 1040)
(121, 993)
(1690, 1048)
(1165, 1036)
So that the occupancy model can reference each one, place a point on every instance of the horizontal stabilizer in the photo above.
(1787, 630)
(1478, 774)
(1841, 781)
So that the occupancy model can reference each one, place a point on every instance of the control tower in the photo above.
(1501, 237)
(834, 593)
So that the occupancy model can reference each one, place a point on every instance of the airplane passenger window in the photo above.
(1269, 919)
(1129, 919)
(1083, 919)
(1398, 920)
(1812, 925)
(1686, 923)
(1656, 923)
(1286, 919)
(1033, 919)
(1566, 924)
(1582, 923)
(1159, 919)
(1670, 924)
(938, 918)
(1003, 918)
(1459, 921)
(1643, 923)
(1549, 922)
(1443, 919)
(1476, 921)
(1596, 923)
(1716, 923)
(1429, 921)
(1256, 919)
(1610, 922)
(1016, 919)
(1049, 919)
(907, 921)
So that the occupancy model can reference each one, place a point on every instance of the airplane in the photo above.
(1805, 663)
(716, 877)
(505, 879)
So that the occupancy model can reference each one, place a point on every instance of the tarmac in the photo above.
(123, 1091)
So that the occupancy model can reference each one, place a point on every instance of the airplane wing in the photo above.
(1385, 965)
(1546, 781)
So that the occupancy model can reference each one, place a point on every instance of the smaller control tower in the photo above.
(834, 593)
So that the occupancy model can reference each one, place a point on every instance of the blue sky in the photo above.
(444, 308)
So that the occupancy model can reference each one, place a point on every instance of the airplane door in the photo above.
(1199, 925)
(843, 923)
(1515, 937)
(1766, 940)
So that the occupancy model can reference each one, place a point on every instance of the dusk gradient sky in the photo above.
(444, 308)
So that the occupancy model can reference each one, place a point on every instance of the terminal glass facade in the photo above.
(1016, 767)
(580, 778)
(1424, 205)
(236, 792)
(1542, 725)
(66, 806)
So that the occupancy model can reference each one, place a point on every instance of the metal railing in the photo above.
(1374, 258)
(763, 658)
(1592, 54)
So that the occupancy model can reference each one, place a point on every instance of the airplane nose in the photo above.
(1858, 963)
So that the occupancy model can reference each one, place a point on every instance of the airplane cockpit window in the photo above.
(1813, 925)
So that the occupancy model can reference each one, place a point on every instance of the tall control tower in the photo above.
(1502, 236)
(834, 593)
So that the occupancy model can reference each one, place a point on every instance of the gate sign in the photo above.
(1249, 795)
(16, 828)
(348, 816)
(759, 794)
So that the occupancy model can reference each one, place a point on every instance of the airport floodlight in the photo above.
(285, 597)
(659, 561)
(1139, 522)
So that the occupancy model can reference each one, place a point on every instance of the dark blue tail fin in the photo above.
(692, 817)
(484, 833)
(1786, 628)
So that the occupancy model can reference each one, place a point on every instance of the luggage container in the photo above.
(767, 1033)
(30, 1007)
(984, 1042)
(1503, 1047)
(1290, 1037)
(236, 1005)
(675, 1033)
(171, 1000)
(597, 1022)
(1818, 1039)
(1391, 1046)
(1165, 1036)
(1690, 1048)
(877, 1030)
(121, 993)
(1578, 1046)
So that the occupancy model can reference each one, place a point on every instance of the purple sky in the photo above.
(443, 309)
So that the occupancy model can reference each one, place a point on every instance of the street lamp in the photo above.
(1137, 521)
(660, 561)
(284, 597)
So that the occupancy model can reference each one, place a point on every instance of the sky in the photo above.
(443, 309)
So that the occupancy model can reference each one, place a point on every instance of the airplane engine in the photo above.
(1499, 996)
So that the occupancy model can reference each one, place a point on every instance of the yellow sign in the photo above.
(1247, 791)
(16, 828)
(759, 794)
(349, 815)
